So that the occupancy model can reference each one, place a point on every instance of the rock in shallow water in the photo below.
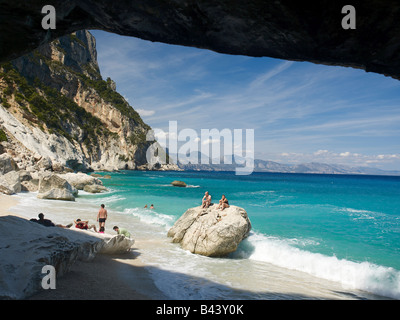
(57, 194)
(177, 183)
(211, 232)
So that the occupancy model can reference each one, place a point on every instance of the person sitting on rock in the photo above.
(122, 231)
(206, 200)
(47, 222)
(84, 225)
(223, 203)
(43, 221)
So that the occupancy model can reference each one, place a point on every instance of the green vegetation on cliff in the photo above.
(49, 107)
(114, 98)
(3, 136)
(58, 88)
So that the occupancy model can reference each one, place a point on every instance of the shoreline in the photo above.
(131, 277)
(103, 278)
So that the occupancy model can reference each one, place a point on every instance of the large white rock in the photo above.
(94, 188)
(11, 181)
(51, 186)
(53, 181)
(80, 180)
(211, 232)
(26, 247)
(57, 194)
(116, 244)
(7, 164)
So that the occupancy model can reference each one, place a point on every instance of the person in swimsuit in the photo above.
(223, 203)
(206, 200)
(84, 225)
(102, 217)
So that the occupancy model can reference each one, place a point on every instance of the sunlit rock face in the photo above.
(293, 30)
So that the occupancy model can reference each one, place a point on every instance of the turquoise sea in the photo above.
(313, 236)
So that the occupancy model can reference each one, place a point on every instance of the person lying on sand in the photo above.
(47, 222)
(84, 225)
(206, 200)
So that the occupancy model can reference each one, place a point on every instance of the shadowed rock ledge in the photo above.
(26, 247)
(286, 29)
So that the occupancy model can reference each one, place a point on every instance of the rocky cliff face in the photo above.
(55, 105)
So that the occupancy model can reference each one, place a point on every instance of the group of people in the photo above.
(206, 201)
(102, 217)
(84, 225)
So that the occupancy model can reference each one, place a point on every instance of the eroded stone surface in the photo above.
(293, 30)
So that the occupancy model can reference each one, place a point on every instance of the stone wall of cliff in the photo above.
(55, 104)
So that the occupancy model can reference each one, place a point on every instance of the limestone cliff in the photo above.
(55, 104)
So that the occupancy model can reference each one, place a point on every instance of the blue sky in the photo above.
(300, 112)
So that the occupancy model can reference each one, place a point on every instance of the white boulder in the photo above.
(116, 244)
(7, 164)
(211, 232)
(26, 247)
(57, 194)
(51, 186)
(80, 180)
(11, 181)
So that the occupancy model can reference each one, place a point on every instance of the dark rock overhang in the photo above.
(292, 30)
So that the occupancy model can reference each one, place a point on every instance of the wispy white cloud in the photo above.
(262, 79)
(295, 108)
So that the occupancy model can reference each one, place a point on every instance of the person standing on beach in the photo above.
(102, 217)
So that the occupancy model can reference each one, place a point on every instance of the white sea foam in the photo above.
(182, 275)
(151, 216)
(361, 214)
(111, 198)
(351, 275)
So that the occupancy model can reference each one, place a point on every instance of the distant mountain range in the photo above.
(271, 166)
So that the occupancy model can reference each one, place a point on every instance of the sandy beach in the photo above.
(103, 278)
(152, 270)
